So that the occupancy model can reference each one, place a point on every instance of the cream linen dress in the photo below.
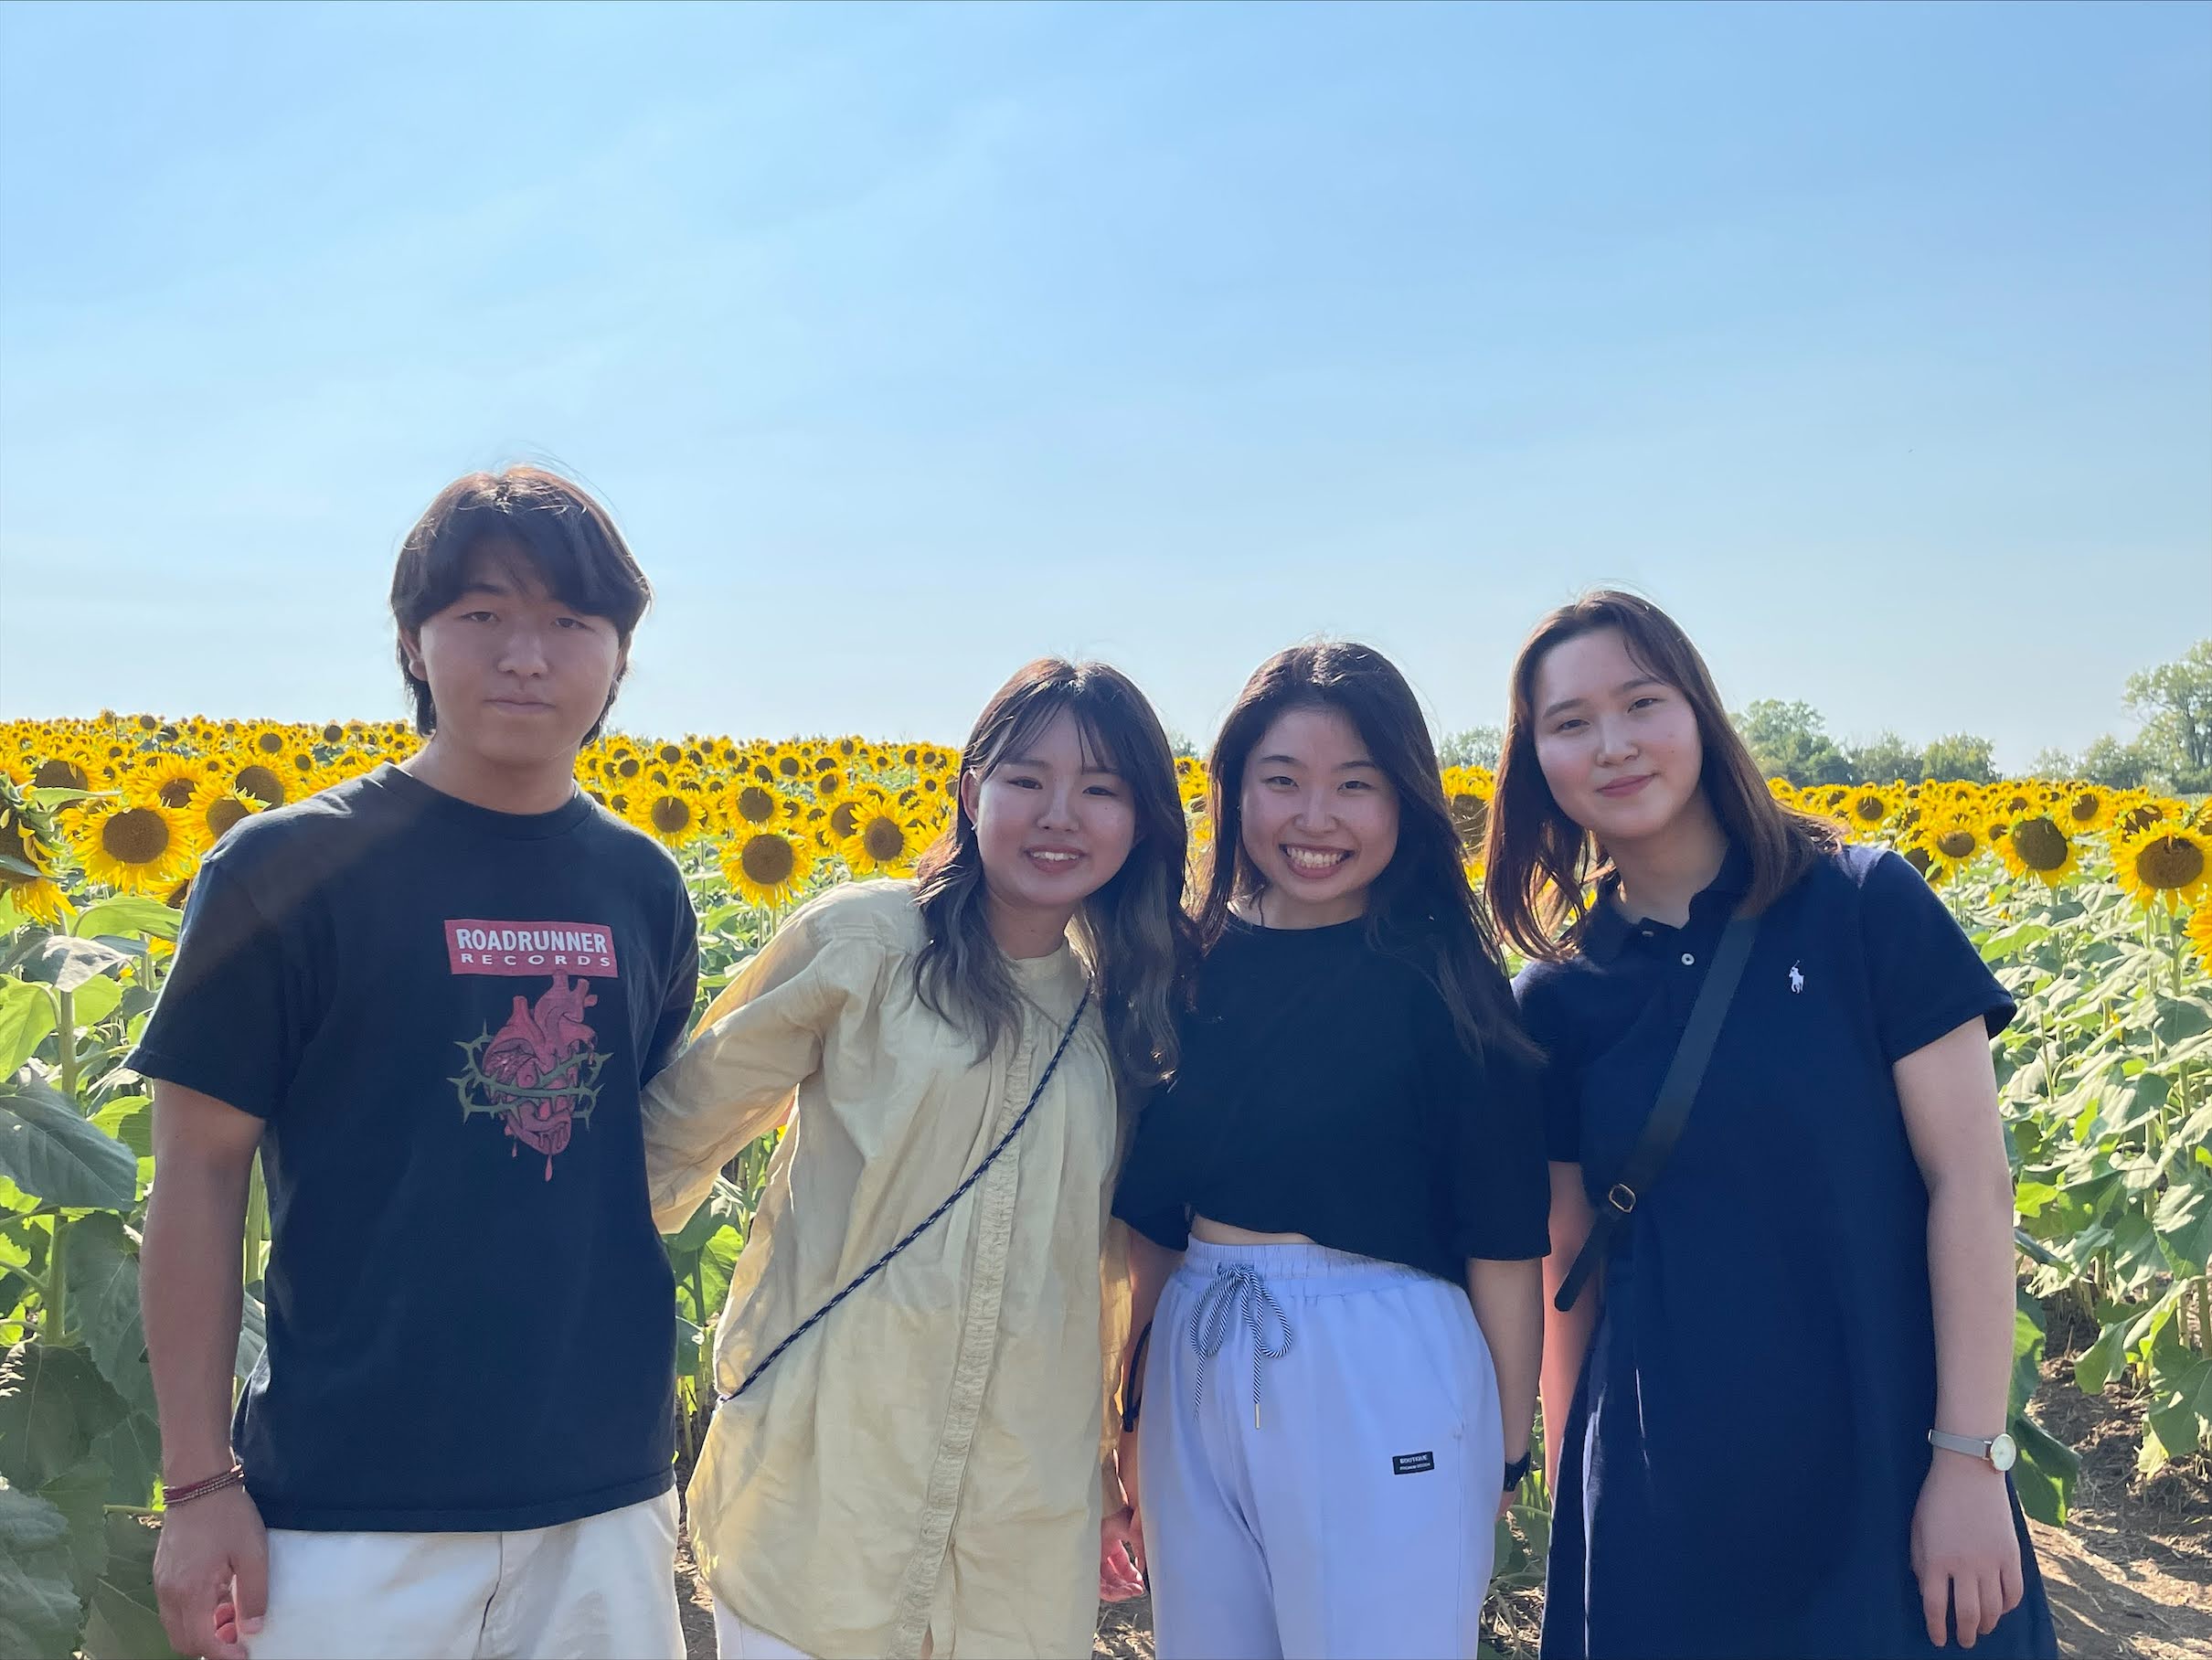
(924, 1466)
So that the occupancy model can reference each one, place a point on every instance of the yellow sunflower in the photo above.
(1828, 800)
(266, 742)
(1951, 842)
(880, 843)
(2137, 810)
(1467, 792)
(1197, 823)
(2164, 862)
(2037, 846)
(845, 811)
(1867, 808)
(751, 804)
(671, 816)
(268, 784)
(62, 772)
(134, 843)
(767, 865)
(27, 862)
(2200, 935)
(217, 808)
(175, 779)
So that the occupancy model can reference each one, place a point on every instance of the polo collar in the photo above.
(1606, 928)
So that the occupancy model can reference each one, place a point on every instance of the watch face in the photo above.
(2003, 1453)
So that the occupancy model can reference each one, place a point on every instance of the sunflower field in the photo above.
(2092, 905)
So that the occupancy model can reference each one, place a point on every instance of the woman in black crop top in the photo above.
(1340, 1203)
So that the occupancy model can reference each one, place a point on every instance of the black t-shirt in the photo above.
(446, 1015)
(1323, 1091)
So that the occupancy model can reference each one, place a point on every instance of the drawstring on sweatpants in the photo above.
(1237, 1292)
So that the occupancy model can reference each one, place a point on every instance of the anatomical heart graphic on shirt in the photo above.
(539, 1071)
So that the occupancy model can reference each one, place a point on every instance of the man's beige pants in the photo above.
(585, 1590)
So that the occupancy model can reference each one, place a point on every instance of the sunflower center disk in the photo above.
(2170, 863)
(136, 836)
(262, 785)
(768, 860)
(2041, 844)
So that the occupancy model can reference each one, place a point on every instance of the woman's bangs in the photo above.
(1104, 749)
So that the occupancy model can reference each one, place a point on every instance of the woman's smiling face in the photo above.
(1618, 745)
(1320, 818)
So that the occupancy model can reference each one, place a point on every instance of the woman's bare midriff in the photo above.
(1221, 1233)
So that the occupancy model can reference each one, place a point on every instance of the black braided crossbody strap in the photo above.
(927, 1222)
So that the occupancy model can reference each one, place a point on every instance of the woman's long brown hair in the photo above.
(1540, 863)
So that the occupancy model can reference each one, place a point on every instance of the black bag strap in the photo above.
(1671, 1110)
(927, 1222)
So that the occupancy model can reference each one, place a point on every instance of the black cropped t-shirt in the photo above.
(1323, 1091)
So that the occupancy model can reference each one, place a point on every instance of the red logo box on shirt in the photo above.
(475, 945)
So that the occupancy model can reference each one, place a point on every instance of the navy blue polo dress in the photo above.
(1748, 1437)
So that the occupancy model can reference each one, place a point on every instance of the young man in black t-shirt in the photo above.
(429, 998)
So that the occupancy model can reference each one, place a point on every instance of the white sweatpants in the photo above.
(1321, 1459)
(604, 1585)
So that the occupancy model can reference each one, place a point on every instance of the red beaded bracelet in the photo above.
(232, 1477)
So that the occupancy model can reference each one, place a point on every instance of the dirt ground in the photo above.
(2129, 1576)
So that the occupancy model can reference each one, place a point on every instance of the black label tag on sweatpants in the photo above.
(1412, 1464)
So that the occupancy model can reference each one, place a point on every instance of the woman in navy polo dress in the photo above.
(1738, 1410)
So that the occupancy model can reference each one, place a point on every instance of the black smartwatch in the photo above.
(1518, 1472)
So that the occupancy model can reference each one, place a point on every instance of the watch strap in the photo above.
(1973, 1446)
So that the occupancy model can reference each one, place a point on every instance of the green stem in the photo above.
(65, 1032)
(57, 1294)
(256, 1222)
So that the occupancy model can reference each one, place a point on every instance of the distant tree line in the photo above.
(2173, 750)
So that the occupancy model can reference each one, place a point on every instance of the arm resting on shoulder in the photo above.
(757, 1043)
(212, 1550)
(1566, 1335)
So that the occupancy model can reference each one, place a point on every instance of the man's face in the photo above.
(518, 677)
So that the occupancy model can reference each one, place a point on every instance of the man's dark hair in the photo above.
(569, 539)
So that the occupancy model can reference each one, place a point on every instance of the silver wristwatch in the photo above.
(1999, 1449)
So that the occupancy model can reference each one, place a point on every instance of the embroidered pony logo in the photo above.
(540, 1071)
(1797, 980)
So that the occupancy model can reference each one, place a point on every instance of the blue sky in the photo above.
(909, 342)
